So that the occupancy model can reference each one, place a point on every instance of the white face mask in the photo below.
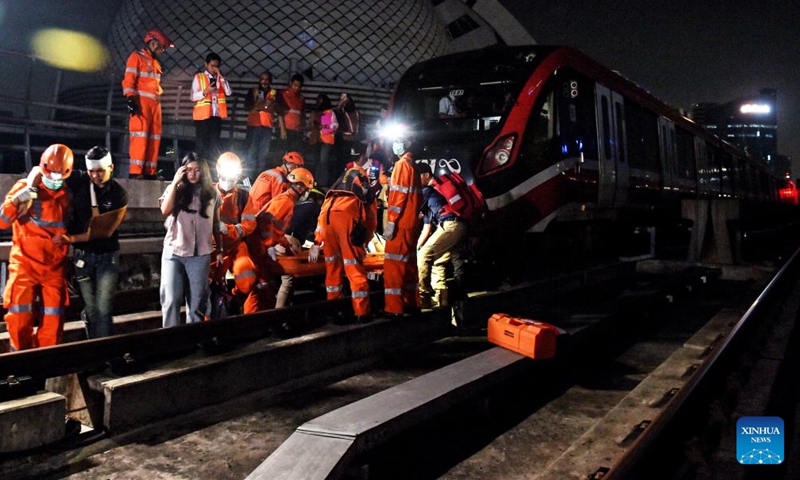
(52, 184)
(398, 148)
(227, 184)
(305, 196)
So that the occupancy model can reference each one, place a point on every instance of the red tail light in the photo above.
(499, 155)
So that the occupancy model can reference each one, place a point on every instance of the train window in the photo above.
(620, 132)
(539, 144)
(606, 128)
(686, 157)
(642, 139)
(577, 128)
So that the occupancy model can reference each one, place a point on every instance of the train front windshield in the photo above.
(459, 96)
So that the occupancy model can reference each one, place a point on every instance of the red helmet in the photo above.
(301, 175)
(57, 158)
(159, 36)
(295, 158)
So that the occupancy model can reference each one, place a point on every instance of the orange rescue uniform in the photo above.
(268, 185)
(143, 80)
(334, 229)
(236, 256)
(36, 265)
(400, 277)
(272, 220)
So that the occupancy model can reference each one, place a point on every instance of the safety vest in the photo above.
(292, 120)
(202, 109)
(262, 118)
(327, 131)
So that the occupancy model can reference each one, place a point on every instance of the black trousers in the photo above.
(207, 134)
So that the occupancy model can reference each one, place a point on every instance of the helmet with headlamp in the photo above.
(229, 169)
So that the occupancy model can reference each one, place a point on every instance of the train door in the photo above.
(666, 138)
(611, 151)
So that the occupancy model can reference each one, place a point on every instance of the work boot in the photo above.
(443, 298)
(361, 319)
(426, 302)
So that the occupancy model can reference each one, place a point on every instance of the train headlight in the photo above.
(498, 155)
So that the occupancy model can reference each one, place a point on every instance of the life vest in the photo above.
(202, 109)
(262, 118)
(464, 200)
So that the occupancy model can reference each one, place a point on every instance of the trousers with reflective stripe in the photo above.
(145, 137)
(238, 261)
(400, 275)
(341, 254)
(18, 297)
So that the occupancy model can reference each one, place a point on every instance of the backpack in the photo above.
(463, 199)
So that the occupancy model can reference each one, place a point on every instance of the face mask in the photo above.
(305, 196)
(52, 184)
(398, 148)
(227, 184)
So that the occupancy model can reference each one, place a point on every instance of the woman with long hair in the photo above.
(191, 205)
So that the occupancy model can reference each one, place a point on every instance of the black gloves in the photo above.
(133, 106)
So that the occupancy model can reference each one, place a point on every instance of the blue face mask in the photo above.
(52, 184)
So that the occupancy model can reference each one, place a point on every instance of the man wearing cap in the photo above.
(142, 88)
(98, 206)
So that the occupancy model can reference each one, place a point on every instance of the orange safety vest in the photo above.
(202, 109)
(292, 120)
(326, 133)
(262, 118)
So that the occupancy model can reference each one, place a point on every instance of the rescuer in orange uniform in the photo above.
(234, 226)
(37, 262)
(343, 229)
(272, 220)
(142, 87)
(400, 275)
(272, 183)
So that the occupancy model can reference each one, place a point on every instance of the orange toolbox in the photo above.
(527, 337)
(299, 266)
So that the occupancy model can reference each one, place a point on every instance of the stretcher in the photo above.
(527, 337)
(299, 266)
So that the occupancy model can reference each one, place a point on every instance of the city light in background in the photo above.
(69, 50)
(755, 108)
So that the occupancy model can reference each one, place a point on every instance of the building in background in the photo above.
(751, 123)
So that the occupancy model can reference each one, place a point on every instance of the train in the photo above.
(562, 145)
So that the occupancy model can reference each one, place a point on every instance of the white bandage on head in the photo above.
(103, 163)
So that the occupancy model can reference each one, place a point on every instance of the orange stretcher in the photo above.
(527, 337)
(299, 266)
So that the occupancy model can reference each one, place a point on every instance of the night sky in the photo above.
(681, 51)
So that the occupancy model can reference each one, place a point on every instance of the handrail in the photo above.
(625, 465)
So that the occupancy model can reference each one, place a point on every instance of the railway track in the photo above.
(519, 425)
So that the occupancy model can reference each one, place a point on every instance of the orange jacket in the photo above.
(32, 235)
(273, 219)
(142, 76)
(259, 117)
(405, 194)
(268, 185)
(202, 109)
(296, 104)
(346, 203)
(239, 224)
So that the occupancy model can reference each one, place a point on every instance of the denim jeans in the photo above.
(184, 279)
(97, 275)
(258, 139)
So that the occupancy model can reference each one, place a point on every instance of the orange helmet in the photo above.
(229, 165)
(159, 36)
(301, 175)
(295, 158)
(58, 159)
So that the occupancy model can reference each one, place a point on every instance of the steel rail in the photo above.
(642, 446)
(57, 360)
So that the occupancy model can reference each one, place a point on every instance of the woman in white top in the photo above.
(191, 205)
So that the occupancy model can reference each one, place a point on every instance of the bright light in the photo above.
(394, 131)
(69, 50)
(755, 108)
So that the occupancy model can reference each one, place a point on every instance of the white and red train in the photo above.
(553, 138)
